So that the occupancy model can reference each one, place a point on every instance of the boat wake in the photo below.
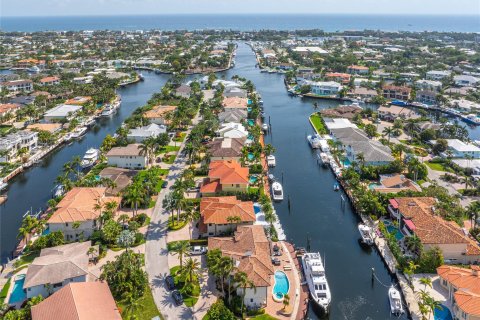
(349, 308)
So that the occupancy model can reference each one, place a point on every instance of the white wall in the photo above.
(129, 162)
(71, 234)
(254, 298)
(42, 289)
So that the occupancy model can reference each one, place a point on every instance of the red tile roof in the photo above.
(228, 172)
(217, 210)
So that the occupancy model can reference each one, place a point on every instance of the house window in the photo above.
(57, 285)
(238, 185)
(251, 299)
(66, 224)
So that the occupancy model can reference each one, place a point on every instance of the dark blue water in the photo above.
(327, 22)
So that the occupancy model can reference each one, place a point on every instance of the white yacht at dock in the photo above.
(395, 298)
(90, 157)
(271, 162)
(366, 234)
(314, 141)
(314, 271)
(277, 191)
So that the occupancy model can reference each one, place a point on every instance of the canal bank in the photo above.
(33, 188)
(316, 210)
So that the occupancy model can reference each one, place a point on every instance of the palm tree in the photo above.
(286, 301)
(169, 203)
(190, 215)
(361, 159)
(181, 249)
(147, 148)
(242, 281)
(134, 196)
(473, 210)
(414, 244)
(190, 270)
(426, 282)
(91, 252)
(234, 220)
(388, 131)
(126, 239)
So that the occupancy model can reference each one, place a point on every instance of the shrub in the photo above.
(47, 241)
(141, 218)
(218, 311)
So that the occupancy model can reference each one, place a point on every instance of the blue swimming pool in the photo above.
(393, 229)
(443, 314)
(18, 295)
(251, 122)
(250, 156)
(253, 179)
(281, 285)
(256, 208)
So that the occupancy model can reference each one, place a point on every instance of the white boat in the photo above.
(316, 278)
(366, 234)
(90, 157)
(265, 127)
(336, 186)
(34, 69)
(58, 191)
(324, 145)
(314, 141)
(108, 111)
(324, 159)
(67, 137)
(271, 177)
(395, 301)
(3, 185)
(89, 122)
(277, 191)
(79, 132)
(271, 162)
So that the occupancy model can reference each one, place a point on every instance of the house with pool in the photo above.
(463, 287)
(250, 250)
(226, 149)
(225, 176)
(418, 216)
(222, 215)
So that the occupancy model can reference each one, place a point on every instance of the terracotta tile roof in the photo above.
(430, 228)
(250, 249)
(159, 112)
(217, 210)
(79, 205)
(8, 107)
(50, 127)
(210, 186)
(78, 301)
(467, 283)
(49, 79)
(228, 172)
(78, 100)
(235, 102)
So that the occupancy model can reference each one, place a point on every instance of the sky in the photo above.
(138, 7)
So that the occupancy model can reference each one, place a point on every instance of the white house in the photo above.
(323, 88)
(61, 112)
(142, 133)
(16, 86)
(57, 267)
(460, 149)
(437, 74)
(13, 142)
(232, 130)
(465, 80)
(129, 157)
(428, 85)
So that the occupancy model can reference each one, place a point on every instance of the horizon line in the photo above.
(246, 13)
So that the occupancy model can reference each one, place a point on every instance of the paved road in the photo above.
(156, 253)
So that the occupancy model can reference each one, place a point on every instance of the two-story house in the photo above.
(129, 157)
(11, 144)
(225, 176)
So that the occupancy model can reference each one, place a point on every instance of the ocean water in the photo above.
(244, 22)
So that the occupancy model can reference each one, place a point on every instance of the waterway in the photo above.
(315, 208)
(33, 188)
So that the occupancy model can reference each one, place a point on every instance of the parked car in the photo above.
(177, 296)
(170, 282)
(164, 184)
(276, 261)
(198, 250)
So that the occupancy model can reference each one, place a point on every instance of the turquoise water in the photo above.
(281, 284)
(249, 101)
(251, 122)
(249, 109)
(393, 229)
(347, 163)
(443, 314)
(18, 295)
(250, 156)
(253, 179)
(256, 208)
(372, 185)
(46, 231)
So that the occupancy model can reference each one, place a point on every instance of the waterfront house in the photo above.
(226, 148)
(121, 177)
(362, 93)
(465, 80)
(158, 114)
(417, 216)
(151, 131)
(360, 70)
(393, 112)
(460, 149)
(396, 92)
(337, 123)
(463, 287)
(355, 142)
(235, 103)
(345, 112)
(427, 97)
(431, 85)
(49, 127)
(183, 91)
(8, 110)
(57, 267)
(395, 183)
(83, 80)
(225, 176)
(235, 92)
(61, 112)
(221, 215)
(437, 75)
(250, 250)
(232, 115)
(76, 214)
(17, 86)
(304, 51)
(78, 101)
(322, 88)
(338, 77)
(49, 81)
(12, 143)
(78, 301)
(232, 130)
(129, 157)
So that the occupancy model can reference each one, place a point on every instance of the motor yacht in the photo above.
(277, 191)
(316, 279)
(90, 157)
(366, 234)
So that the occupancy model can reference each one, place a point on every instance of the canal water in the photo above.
(316, 210)
(32, 189)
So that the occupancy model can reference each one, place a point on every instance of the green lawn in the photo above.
(181, 138)
(3, 293)
(264, 317)
(189, 298)
(4, 129)
(318, 123)
(26, 259)
(176, 225)
(168, 149)
(170, 159)
(146, 309)
(438, 166)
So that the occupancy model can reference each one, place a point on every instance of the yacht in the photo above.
(366, 234)
(314, 271)
(265, 127)
(79, 132)
(277, 191)
(3, 185)
(314, 141)
(89, 122)
(472, 118)
(108, 111)
(395, 301)
(90, 157)
(271, 162)
(336, 186)
(324, 159)
(34, 69)
(58, 191)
